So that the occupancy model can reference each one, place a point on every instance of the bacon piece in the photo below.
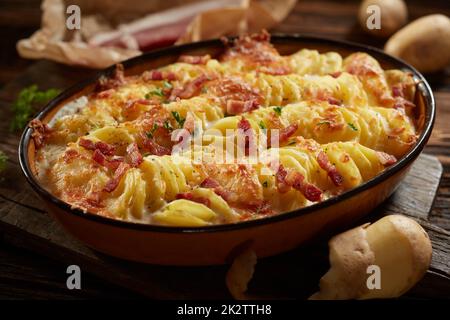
(245, 126)
(217, 188)
(158, 75)
(70, 154)
(116, 80)
(134, 156)
(189, 196)
(112, 163)
(386, 159)
(326, 165)
(112, 184)
(191, 89)
(280, 179)
(154, 148)
(41, 132)
(397, 91)
(336, 74)
(235, 107)
(105, 94)
(285, 180)
(287, 132)
(310, 191)
(105, 148)
(194, 59)
(334, 101)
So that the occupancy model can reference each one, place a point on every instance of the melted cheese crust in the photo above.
(341, 123)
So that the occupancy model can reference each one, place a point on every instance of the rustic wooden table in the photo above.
(27, 275)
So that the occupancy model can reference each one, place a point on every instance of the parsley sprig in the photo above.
(27, 103)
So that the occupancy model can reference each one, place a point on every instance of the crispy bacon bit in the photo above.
(397, 91)
(191, 89)
(310, 191)
(285, 180)
(280, 178)
(105, 148)
(134, 156)
(217, 188)
(244, 125)
(386, 159)
(41, 131)
(153, 147)
(336, 74)
(247, 130)
(112, 163)
(334, 101)
(113, 82)
(158, 75)
(70, 154)
(287, 132)
(194, 59)
(209, 183)
(326, 165)
(112, 184)
(105, 94)
(189, 196)
(235, 107)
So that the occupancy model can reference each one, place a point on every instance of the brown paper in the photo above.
(103, 20)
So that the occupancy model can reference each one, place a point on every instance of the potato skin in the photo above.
(394, 14)
(424, 43)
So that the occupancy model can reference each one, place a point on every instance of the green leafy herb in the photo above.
(26, 104)
(204, 90)
(152, 131)
(167, 85)
(167, 125)
(3, 159)
(352, 126)
(277, 110)
(157, 92)
(180, 120)
(265, 184)
(262, 125)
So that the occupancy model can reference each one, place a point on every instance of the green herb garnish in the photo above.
(204, 90)
(157, 92)
(26, 104)
(180, 120)
(352, 126)
(3, 159)
(277, 110)
(167, 85)
(152, 131)
(262, 125)
(167, 125)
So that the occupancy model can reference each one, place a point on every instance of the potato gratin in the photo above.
(338, 123)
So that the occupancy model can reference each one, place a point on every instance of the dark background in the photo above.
(26, 275)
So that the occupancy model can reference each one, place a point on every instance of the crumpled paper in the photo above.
(112, 31)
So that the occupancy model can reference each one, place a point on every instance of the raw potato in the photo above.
(424, 43)
(396, 244)
(393, 15)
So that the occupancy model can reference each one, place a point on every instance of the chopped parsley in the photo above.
(26, 104)
(180, 120)
(262, 125)
(204, 90)
(277, 110)
(167, 84)
(157, 92)
(352, 126)
(167, 125)
(152, 131)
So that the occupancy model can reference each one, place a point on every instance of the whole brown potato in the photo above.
(424, 43)
(393, 15)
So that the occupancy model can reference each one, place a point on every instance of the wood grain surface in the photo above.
(334, 19)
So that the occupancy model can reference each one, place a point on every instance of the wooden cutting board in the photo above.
(25, 223)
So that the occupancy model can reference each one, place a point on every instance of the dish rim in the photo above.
(430, 114)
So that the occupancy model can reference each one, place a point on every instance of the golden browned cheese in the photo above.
(146, 148)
